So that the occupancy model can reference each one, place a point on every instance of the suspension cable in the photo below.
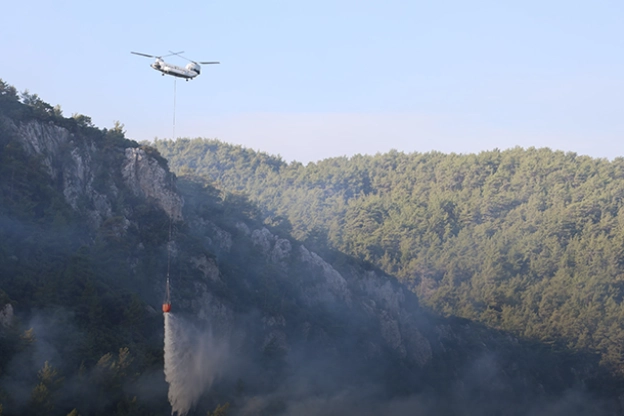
(174, 107)
(171, 185)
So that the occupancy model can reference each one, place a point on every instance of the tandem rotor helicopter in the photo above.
(190, 71)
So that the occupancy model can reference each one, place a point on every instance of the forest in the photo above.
(529, 241)
(397, 283)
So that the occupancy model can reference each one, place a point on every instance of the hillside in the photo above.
(530, 241)
(283, 321)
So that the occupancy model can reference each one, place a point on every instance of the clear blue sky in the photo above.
(310, 80)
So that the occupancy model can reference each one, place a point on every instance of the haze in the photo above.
(328, 78)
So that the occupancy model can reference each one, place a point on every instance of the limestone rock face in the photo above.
(264, 239)
(399, 327)
(276, 249)
(46, 140)
(69, 161)
(87, 182)
(334, 288)
(6, 316)
(281, 251)
(244, 228)
(382, 291)
(146, 178)
(218, 240)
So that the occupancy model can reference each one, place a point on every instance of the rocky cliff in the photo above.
(71, 162)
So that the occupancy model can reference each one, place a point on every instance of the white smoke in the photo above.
(193, 359)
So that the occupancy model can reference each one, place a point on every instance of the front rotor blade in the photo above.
(143, 54)
(174, 53)
(208, 63)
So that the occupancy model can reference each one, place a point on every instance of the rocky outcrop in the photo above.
(264, 239)
(72, 163)
(334, 287)
(69, 162)
(147, 178)
(281, 251)
(397, 321)
(48, 141)
(6, 316)
(276, 249)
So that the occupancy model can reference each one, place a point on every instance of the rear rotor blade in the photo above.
(143, 54)
(208, 63)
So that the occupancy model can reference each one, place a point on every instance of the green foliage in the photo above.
(220, 410)
(43, 395)
(111, 371)
(82, 120)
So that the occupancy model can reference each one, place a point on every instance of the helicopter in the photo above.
(190, 71)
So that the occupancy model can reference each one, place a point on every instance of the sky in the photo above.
(318, 79)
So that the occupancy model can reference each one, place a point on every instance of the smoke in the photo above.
(193, 360)
(483, 386)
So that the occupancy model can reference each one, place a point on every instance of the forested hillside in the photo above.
(526, 240)
(93, 224)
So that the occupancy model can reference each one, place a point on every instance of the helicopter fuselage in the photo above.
(188, 72)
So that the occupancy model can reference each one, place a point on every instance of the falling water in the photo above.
(193, 360)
